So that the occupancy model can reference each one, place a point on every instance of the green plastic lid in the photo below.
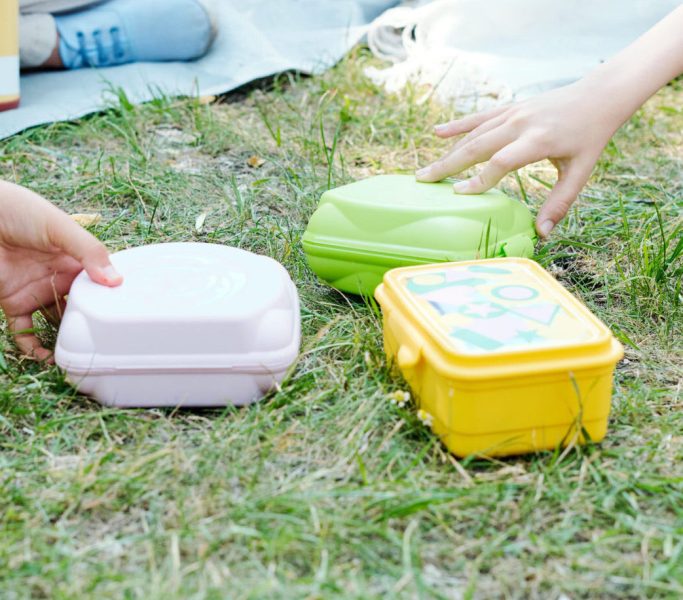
(361, 230)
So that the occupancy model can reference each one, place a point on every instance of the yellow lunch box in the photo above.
(500, 357)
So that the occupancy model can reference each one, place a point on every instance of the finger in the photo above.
(21, 328)
(514, 156)
(477, 151)
(562, 196)
(86, 249)
(483, 128)
(468, 123)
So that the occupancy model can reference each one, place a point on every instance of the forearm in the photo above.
(639, 70)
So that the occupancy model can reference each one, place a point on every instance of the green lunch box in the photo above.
(361, 230)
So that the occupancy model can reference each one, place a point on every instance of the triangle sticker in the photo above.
(544, 313)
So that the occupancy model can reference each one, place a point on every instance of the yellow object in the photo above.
(500, 357)
(9, 54)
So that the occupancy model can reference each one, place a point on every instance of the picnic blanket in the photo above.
(256, 39)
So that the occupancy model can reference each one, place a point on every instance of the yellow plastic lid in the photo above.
(499, 313)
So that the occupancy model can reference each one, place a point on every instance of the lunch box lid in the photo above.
(493, 317)
(397, 216)
(183, 306)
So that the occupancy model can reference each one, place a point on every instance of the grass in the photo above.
(326, 489)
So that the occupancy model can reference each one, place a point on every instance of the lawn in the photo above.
(325, 489)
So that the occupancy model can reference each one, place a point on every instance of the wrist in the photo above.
(616, 91)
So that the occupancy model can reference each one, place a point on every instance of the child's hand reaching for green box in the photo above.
(41, 251)
(570, 126)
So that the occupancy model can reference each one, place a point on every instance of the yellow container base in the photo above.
(522, 441)
(511, 416)
(485, 393)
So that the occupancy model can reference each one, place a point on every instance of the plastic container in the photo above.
(9, 54)
(191, 325)
(500, 357)
(363, 229)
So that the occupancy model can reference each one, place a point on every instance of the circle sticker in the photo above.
(516, 293)
(429, 279)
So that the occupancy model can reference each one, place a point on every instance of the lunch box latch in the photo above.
(408, 357)
(519, 245)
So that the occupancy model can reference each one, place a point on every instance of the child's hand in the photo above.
(570, 125)
(565, 125)
(41, 251)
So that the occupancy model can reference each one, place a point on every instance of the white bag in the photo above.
(191, 325)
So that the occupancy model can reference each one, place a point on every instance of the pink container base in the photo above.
(176, 389)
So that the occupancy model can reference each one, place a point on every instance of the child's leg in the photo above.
(38, 32)
(107, 33)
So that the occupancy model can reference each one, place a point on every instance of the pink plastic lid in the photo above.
(183, 306)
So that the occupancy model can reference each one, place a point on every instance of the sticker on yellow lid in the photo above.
(484, 309)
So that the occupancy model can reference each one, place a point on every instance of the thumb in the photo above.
(562, 196)
(75, 241)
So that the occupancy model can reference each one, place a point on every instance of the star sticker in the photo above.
(481, 309)
(530, 335)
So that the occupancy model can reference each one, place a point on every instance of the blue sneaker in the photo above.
(124, 31)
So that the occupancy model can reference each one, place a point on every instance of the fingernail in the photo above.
(545, 228)
(461, 186)
(422, 172)
(111, 274)
(441, 127)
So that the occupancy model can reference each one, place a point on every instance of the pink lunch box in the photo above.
(192, 325)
